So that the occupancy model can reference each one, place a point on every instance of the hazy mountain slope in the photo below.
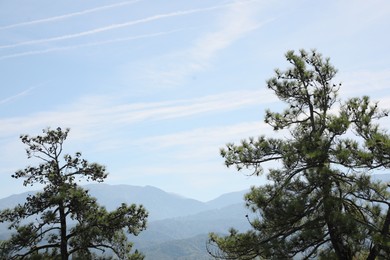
(10, 202)
(159, 203)
(216, 220)
(227, 199)
(185, 249)
(193, 230)
(13, 200)
(178, 226)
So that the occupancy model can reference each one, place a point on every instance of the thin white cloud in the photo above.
(208, 136)
(17, 96)
(198, 143)
(364, 82)
(66, 16)
(116, 26)
(89, 115)
(98, 43)
(240, 19)
(189, 107)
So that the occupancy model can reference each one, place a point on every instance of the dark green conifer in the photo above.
(321, 201)
(63, 219)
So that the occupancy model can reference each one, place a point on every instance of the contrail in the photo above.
(61, 17)
(116, 26)
(23, 93)
(28, 53)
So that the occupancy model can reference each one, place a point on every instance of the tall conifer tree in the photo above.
(321, 201)
(64, 220)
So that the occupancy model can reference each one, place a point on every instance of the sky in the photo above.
(153, 89)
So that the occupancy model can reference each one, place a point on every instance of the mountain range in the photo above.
(178, 227)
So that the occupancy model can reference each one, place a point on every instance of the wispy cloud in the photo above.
(17, 96)
(89, 114)
(209, 136)
(239, 19)
(189, 107)
(190, 156)
(66, 16)
(116, 26)
(359, 82)
(90, 44)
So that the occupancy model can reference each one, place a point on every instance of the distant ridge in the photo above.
(178, 227)
(172, 217)
(160, 204)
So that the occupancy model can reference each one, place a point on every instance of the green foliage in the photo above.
(321, 202)
(67, 220)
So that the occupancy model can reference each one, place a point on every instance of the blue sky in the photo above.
(153, 89)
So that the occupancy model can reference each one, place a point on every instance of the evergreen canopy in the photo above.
(321, 202)
(65, 220)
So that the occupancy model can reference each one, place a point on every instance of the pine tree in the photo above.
(321, 201)
(65, 220)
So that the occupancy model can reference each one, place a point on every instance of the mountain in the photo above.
(193, 248)
(227, 199)
(160, 204)
(186, 237)
(13, 200)
(215, 220)
(178, 227)
(172, 217)
(10, 202)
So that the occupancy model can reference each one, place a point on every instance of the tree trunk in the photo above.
(330, 210)
(64, 240)
(385, 231)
